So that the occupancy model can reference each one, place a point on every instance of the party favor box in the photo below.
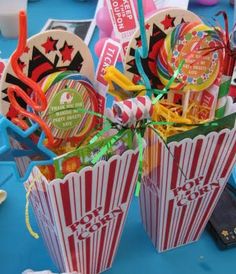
(183, 180)
(81, 217)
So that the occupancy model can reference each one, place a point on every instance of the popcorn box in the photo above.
(183, 180)
(81, 217)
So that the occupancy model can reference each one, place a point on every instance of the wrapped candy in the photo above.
(129, 112)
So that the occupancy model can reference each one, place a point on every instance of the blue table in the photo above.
(18, 251)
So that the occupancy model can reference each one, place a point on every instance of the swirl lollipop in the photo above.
(189, 42)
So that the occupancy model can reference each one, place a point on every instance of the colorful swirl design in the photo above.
(190, 42)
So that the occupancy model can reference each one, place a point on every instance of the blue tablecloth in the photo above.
(18, 251)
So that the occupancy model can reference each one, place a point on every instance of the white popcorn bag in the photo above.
(81, 217)
(182, 184)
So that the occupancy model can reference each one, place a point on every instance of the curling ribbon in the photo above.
(27, 219)
(142, 52)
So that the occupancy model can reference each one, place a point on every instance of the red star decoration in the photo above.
(168, 22)
(136, 78)
(50, 45)
(139, 43)
(26, 50)
(66, 52)
(147, 26)
(21, 64)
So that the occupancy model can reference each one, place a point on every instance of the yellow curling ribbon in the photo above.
(27, 219)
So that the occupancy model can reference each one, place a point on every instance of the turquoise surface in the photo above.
(136, 255)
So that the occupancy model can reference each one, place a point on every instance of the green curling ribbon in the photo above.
(105, 148)
(140, 134)
(99, 134)
(140, 168)
(94, 113)
(167, 87)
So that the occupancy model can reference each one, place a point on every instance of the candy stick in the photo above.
(228, 69)
(129, 112)
(209, 99)
(128, 89)
(186, 97)
(40, 102)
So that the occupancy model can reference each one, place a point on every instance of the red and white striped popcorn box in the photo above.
(182, 184)
(81, 217)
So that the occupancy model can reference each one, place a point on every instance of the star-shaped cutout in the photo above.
(147, 26)
(66, 52)
(136, 78)
(16, 143)
(50, 45)
(21, 64)
(138, 42)
(168, 22)
(26, 50)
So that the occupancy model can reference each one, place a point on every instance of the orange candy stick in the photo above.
(40, 101)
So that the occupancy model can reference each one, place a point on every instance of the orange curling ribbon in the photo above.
(40, 102)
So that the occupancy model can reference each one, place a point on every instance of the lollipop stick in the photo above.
(185, 103)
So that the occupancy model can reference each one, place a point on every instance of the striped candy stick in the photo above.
(130, 111)
(228, 69)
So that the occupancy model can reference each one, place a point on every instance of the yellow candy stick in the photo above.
(128, 89)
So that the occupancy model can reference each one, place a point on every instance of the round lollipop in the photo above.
(157, 28)
(190, 42)
(67, 93)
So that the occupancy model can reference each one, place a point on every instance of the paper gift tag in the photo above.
(45, 53)
(67, 93)
(157, 28)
